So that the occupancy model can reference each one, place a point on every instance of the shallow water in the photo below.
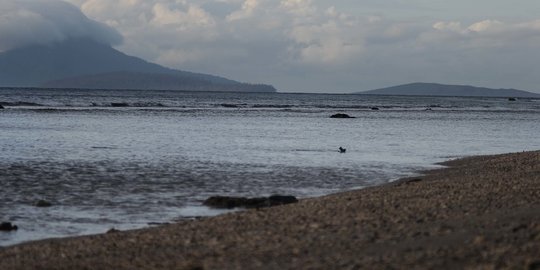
(155, 158)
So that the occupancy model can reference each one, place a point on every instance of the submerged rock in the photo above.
(232, 202)
(158, 223)
(225, 202)
(42, 203)
(375, 108)
(113, 230)
(341, 115)
(119, 104)
(7, 227)
(279, 200)
(410, 181)
(225, 105)
(1, 107)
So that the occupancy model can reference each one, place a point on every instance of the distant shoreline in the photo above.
(445, 90)
(479, 212)
(366, 93)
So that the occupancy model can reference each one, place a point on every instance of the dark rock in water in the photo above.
(375, 109)
(157, 223)
(119, 104)
(1, 107)
(512, 99)
(279, 200)
(113, 230)
(232, 202)
(224, 105)
(225, 202)
(7, 227)
(341, 115)
(43, 203)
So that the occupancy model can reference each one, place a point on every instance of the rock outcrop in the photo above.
(119, 104)
(42, 203)
(341, 115)
(7, 227)
(224, 202)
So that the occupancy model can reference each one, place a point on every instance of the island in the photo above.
(435, 89)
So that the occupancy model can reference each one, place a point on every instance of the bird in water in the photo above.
(342, 150)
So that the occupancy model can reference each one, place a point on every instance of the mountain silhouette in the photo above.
(82, 63)
(434, 89)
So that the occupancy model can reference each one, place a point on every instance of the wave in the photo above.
(229, 105)
(21, 104)
(93, 104)
(53, 105)
(127, 104)
(291, 110)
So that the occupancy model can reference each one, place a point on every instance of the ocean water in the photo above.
(127, 159)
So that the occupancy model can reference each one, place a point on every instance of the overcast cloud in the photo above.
(303, 45)
(27, 22)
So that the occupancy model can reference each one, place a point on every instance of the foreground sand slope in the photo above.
(483, 212)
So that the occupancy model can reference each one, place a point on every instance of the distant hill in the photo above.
(154, 81)
(433, 89)
(81, 63)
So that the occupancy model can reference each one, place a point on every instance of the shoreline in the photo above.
(480, 212)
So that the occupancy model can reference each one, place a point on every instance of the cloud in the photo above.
(307, 45)
(27, 22)
(301, 8)
(484, 34)
(247, 11)
(303, 45)
(328, 43)
(193, 16)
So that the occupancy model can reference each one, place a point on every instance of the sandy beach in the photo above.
(479, 213)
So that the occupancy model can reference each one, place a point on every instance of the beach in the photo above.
(155, 161)
(478, 213)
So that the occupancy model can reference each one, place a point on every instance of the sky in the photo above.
(304, 45)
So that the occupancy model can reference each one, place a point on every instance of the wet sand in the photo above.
(481, 213)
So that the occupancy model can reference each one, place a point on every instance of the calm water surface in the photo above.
(158, 155)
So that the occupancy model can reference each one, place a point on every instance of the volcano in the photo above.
(83, 63)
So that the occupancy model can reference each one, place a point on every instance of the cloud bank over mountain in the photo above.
(312, 45)
(30, 22)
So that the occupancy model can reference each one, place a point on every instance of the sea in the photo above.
(133, 159)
